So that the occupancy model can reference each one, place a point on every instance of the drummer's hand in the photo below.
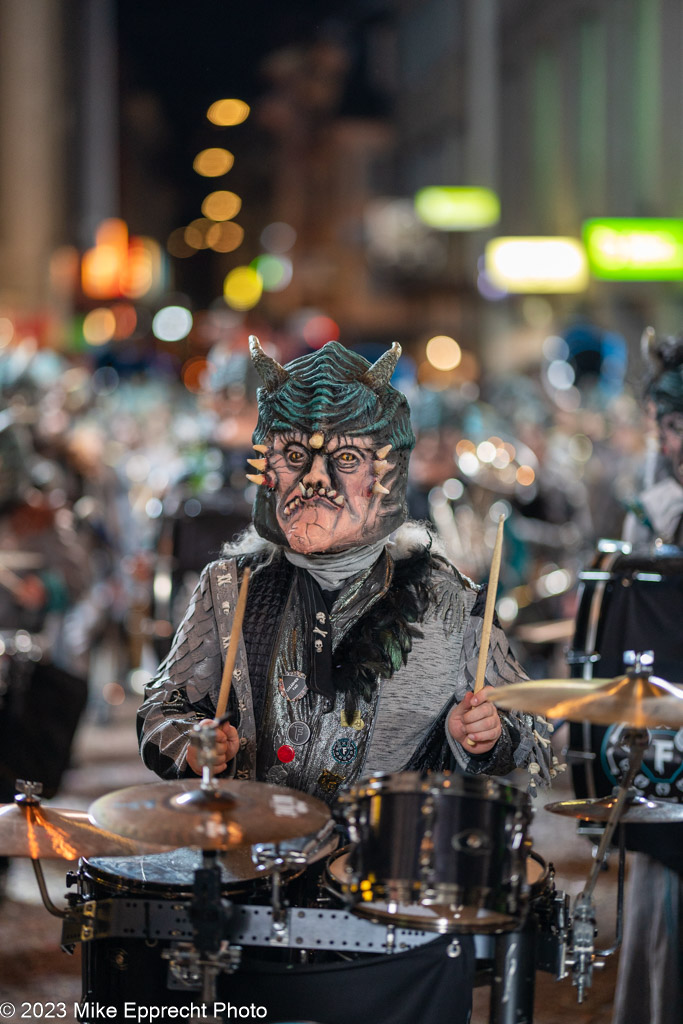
(227, 745)
(475, 723)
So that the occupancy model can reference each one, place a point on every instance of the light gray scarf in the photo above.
(331, 569)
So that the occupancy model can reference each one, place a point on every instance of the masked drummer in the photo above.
(359, 643)
(358, 651)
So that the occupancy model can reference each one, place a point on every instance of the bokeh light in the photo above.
(278, 237)
(226, 237)
(525, 476)
(221, 205)
(228, 112)
(213, 162)
(177, 246)
(172, 323)
(443, 352)
(99, 326)
(457, 208)
(319, 330)
(533, 264)
(201, 232)
(274, 271)
(6, 331)
(194, 374)
(242, 288)
(126, 319)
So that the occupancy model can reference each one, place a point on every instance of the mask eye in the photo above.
(347, 460)
(295, 457)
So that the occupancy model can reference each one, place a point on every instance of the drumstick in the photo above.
(231, 655)
(489, 608)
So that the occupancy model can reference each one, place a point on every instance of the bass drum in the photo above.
(628, 601)
(117, 969)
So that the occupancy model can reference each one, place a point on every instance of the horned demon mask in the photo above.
(333, 440)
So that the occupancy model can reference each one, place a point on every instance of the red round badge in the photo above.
(285, 753)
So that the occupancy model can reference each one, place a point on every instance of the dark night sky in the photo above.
(191, 52)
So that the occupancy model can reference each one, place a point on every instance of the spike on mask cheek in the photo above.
(259, 464)
(256, 478)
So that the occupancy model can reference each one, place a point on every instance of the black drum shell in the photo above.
(446, 838)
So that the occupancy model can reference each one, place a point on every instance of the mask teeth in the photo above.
(256, 478)
(331, 493)
(302, 488)
(259, 464)
(378, 488)
(309, 492)
(383, 452)
(262, 448)
(339, 500)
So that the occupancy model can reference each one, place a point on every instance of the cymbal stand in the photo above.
(28, 797)
(208, 955)
(583, 918)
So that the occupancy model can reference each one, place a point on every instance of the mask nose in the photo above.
(317, 475)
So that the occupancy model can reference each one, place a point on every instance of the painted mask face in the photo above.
(326, 493)
(333, 441)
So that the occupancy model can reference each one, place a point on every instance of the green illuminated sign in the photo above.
(456, 208)
(635, 248)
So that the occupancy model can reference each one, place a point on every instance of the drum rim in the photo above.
(448, 783)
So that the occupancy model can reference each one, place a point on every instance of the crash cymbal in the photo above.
(233, 813)
(637, 809)
(640, 700)
(32, 830)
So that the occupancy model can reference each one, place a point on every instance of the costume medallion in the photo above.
(298, 733)
(285, 753)
(329, 781)
(277, 775)
(292, 685)
(353, 721)
(344, 751)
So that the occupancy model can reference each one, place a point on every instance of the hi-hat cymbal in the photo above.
(233, 813)
(636, 809)
(32, 830)
(640, 700)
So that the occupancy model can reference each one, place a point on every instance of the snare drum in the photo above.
(338, 875)
(447, 851)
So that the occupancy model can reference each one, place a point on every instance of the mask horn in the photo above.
(269, 370)
(381, 371)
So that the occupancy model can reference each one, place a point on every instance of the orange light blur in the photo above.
(125, 318)
(319, 330)
(525, 476)
(211, 163)
(228, 237)
(228, 112)
(221, 205)
(177, 246)
(193, 372)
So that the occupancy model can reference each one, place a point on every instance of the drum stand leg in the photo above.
(514, 978)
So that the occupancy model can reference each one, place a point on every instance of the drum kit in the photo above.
(176, 879)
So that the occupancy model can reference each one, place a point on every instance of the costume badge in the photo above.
(277, 775)
(329, 782)
(344, 751)
(298, 733)
(353, 721)
(292, 685)
(285, 753)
